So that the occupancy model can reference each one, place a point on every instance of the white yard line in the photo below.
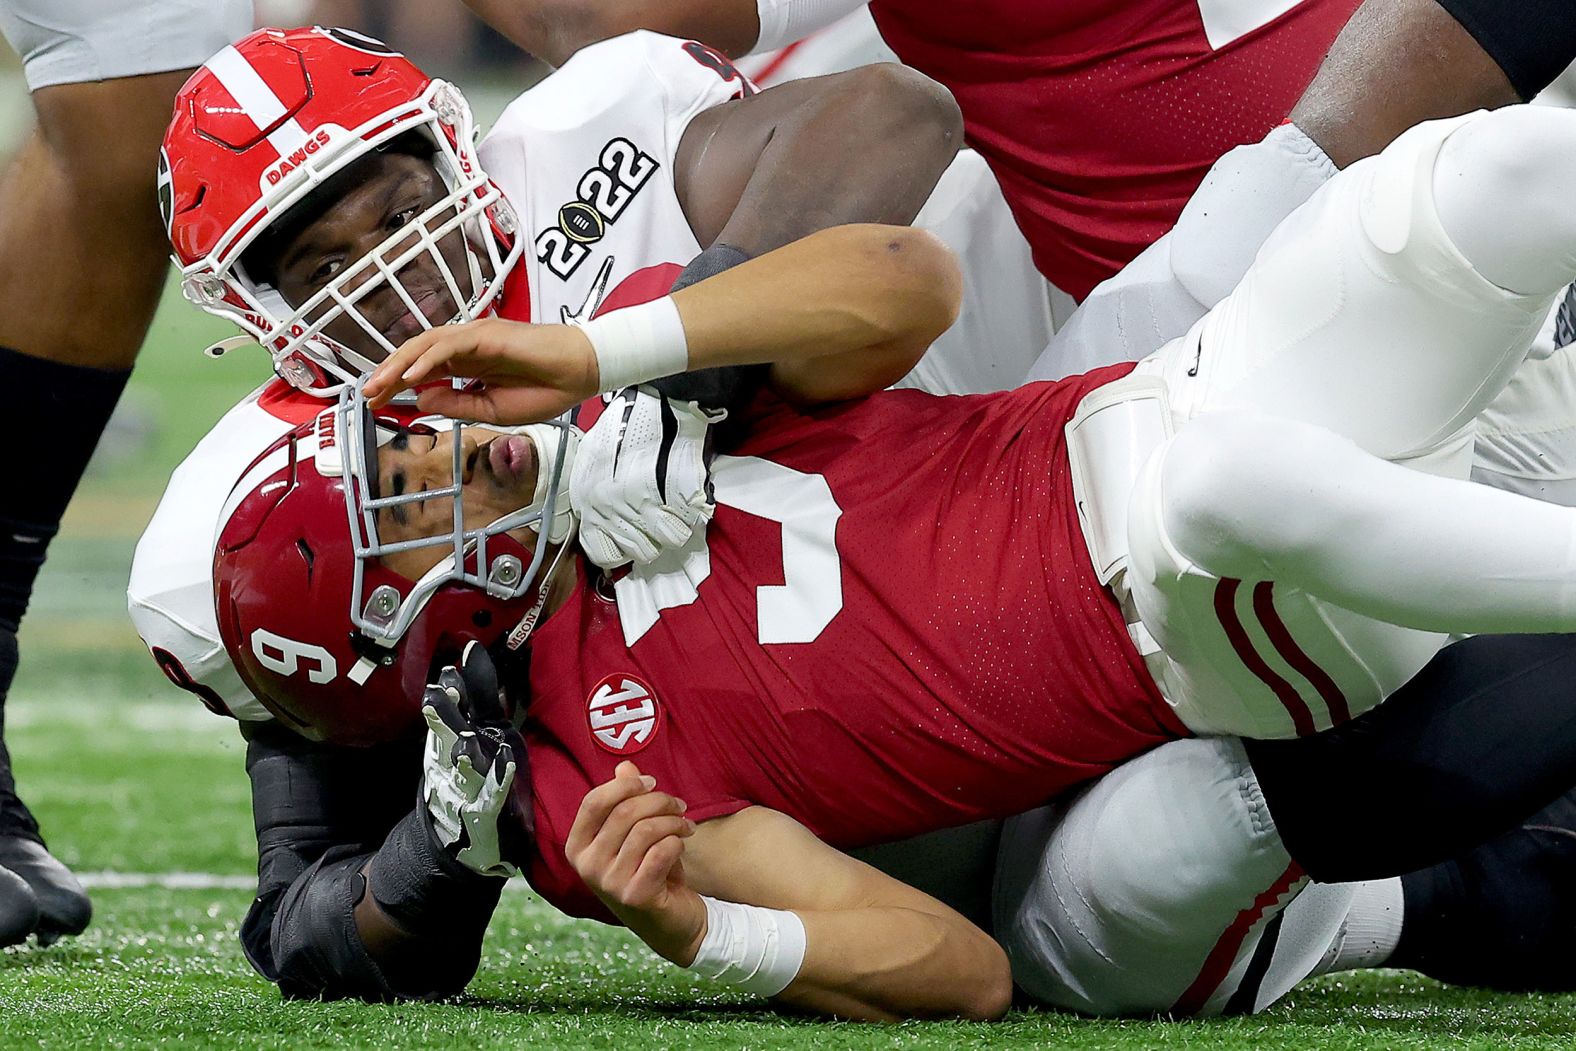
(165, 880)
(193, 881)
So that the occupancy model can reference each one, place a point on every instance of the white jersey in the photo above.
(586, 158)
(170, 594)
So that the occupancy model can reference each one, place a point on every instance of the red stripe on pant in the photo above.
(1291, 700)
(1295, 656)
(1217, 965)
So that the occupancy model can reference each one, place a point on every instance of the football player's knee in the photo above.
(1182, 829)
(1223, 491)
(1516, 149)
(1502, 189)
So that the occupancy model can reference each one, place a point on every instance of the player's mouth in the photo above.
(435, 305)
(511, 460)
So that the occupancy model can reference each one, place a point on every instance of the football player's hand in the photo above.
(523, 373)
(627, 844)
(468, 766)
(641, 483)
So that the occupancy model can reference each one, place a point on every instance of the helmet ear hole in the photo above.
(482, 618)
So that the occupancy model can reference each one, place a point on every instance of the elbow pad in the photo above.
(785, 21)
(1533, 41)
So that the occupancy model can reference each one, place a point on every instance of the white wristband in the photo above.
(638, 344)
(750, 948)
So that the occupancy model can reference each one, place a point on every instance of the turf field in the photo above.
(143, 792)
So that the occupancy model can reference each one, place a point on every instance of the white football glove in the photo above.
(468, 765)
(641, 483)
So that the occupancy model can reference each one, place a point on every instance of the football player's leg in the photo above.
(1395, 305)
(1292, 580)
(1473, 762)
(82, 260)
(1152, 891)
(1501, 915)
(1257, 497)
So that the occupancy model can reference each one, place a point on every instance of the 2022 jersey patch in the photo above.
(602, 194)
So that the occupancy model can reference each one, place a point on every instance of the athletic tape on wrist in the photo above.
(750, 948)
(638, 343)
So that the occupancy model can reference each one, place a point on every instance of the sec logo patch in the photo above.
(623, 713)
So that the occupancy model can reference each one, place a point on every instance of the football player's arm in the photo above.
(553, 30)
(1401, 62)
(873, 948)
(842, 313)
(864, 146)
(354, 898)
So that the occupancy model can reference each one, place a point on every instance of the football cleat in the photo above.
(60, 905)
(19, 913)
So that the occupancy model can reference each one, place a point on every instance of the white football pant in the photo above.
(1307, 540)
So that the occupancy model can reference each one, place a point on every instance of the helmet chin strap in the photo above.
(522, 631)
(562, 521)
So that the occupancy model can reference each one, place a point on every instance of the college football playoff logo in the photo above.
(623, 713)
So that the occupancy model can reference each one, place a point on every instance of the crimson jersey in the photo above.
(891, 626)
(1100, 118)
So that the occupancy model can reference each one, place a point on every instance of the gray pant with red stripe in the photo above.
(1162, 889)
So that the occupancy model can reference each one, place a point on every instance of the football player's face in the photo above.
(499, 475)
(398, 189)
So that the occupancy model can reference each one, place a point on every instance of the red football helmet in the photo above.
(267, 120)
(330, 640)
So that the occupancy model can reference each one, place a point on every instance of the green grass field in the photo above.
(136, 785)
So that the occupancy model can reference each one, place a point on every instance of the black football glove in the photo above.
(471, 759)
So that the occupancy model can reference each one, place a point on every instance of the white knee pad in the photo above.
(1228, 484)
(1150, 890)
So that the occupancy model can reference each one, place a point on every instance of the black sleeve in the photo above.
(1479, 740)
(732, 386)
(1533, 41)
(323, 815)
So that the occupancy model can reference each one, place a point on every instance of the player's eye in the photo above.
(403, 217)
(326, 271)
